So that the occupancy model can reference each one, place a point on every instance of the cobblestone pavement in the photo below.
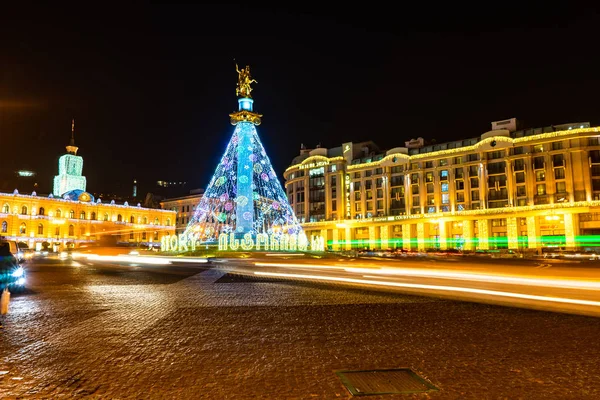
(192, 333)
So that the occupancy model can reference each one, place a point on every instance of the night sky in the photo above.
(151, 86)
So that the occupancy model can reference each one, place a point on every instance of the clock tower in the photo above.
(70, 167)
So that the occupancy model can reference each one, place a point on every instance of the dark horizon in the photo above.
(151, 86)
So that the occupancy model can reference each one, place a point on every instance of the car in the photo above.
(507, 253)
(24, 253)
(12, 274)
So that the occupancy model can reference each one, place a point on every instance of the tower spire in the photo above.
(72, 132)
(71, 148)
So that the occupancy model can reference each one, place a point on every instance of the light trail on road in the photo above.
(141, 259)
(450, 274)
(482, 277)
(512, 284)
(435, 287)
(286, 265)
(131, 259)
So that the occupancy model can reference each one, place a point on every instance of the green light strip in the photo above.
(580, 241)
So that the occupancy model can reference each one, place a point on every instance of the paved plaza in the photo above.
(201, 332)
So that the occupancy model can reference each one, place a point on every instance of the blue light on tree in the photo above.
(244, 194)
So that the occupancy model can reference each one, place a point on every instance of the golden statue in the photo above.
(243, 88)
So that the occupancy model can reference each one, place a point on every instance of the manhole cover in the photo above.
(384, 381)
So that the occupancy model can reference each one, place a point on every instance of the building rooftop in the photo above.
(368, 151)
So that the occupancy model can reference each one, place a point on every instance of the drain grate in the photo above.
(384, 381)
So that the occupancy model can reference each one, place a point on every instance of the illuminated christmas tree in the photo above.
(244, 205)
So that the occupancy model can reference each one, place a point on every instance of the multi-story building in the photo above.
(71, 221)
(71, 216)
(508, 188)
(184, 206)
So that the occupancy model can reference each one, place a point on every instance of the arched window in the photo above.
(58, 213)
(168, 221)
(24, 210)
(4, 226)
(72, 214)
(145, 220)
(132, 219)
(155, 235)
(143, 235)
(40, 229)
(42, 211)
(71, 230)
(82, 215)
(82, 231)
(105, 216)
(57, 231)
(23, 229)
(119, 218)
(131, 237)
(6, 209)
(93, 217)
(155, 221)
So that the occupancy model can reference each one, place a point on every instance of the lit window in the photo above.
(541, 189)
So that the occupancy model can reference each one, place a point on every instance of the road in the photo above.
(552, 285)
(106, 327)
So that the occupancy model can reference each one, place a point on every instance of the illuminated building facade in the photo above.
(518, 189)
(78, 219)
(184, 207)
(75, 217)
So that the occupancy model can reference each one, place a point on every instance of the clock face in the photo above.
(84, 197)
